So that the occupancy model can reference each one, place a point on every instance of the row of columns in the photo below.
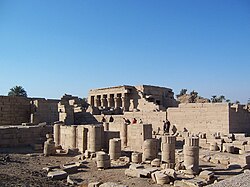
(190, 150)
(110, 100)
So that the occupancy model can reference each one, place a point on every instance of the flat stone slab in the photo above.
(50, 168)
(57, 174)
(72, 168)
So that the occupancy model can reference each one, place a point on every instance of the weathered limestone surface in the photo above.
(210, 117)
(23, 135)
(147, 117)
(129, 98)
(14, 110)
(191, 154)
(168, 149)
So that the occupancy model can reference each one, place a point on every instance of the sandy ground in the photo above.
(25, 169)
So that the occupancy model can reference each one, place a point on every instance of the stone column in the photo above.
(125, 103)
(116, 101)
(95, 138)
(191, 154)
(102, 101)
(73, 136)
(102, 160)
(124, 135)
(150, 149)
(115, 148)
(57, 134)
(96, 101)
(168, 150)
(109, 101)
(136, 157)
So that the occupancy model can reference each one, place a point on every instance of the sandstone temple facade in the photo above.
(132, 98)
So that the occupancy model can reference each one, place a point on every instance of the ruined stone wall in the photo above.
(18, 110)
(44, 110)
(239, 119)
(137, 134)
(23, 136)
(14, 110)
(150, 117)
(200, 117)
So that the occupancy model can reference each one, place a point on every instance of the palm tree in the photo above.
(221, 99)
(214, 99)
(193, 96)
(17, 91)
(182, 92)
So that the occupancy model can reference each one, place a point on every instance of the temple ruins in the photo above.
(215, 133)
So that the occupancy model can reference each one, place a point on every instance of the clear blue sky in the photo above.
(52, 47)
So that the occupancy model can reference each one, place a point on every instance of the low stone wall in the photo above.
(18, 136)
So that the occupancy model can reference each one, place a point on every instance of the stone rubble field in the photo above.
(31, 169)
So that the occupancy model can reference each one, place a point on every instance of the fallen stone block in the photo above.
(171, 173)
(247, 148)
(57, 174)
(147, 172)
(70, 168)
(205, 158)
(156, 162)
(73, 180)
(124, 159)
(227, 140)
(50, 168)
(228, 147)
(160, 178)
(80, 164)
(225, 161)
(136, 166)
(239, 136)
(132, 173)
(239, 142)
(214, 160)
(207, 175)
(80, 157)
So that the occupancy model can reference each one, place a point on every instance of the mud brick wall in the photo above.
(200, 117)
(23, 135)
(14, 110)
